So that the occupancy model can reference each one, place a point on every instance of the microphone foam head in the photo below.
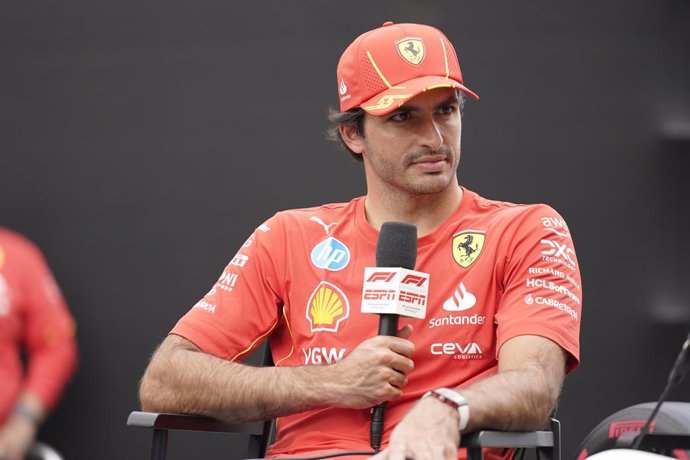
(397, 245)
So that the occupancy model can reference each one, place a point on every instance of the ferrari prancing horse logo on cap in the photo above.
(412, 50)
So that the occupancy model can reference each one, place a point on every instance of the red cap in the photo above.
(385, 67)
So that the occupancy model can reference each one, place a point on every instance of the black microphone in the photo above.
(396, 247)
(677, 374)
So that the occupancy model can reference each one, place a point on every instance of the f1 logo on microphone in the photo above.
(381, 276)
(414, 279)
(395, 291)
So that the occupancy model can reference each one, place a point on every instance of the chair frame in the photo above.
(546, 442)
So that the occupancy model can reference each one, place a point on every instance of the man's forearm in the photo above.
(183, 379)
(509, 401)
(524, 392)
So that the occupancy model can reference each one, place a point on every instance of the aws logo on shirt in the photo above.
(327, 308)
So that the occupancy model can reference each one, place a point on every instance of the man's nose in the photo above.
(431, 136)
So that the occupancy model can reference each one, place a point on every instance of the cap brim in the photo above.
(394, 97)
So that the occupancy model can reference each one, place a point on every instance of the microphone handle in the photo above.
(388, 325)
(376, 427)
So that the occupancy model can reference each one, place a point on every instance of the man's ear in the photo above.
(352, 138)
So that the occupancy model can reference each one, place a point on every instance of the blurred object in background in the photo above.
(36, 325)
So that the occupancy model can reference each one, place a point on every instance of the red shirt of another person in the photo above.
(33, 317)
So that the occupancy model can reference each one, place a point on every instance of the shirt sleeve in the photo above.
(541, 282)
(245, 304)
(48, 331)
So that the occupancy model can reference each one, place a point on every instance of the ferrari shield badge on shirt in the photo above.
(467, 246)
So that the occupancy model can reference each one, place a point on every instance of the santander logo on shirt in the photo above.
(461, 300)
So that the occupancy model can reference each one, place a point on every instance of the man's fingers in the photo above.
(419, 451)
(402, 365)
(405, 332)
(395, 452)
(383, 455)
(401, 346)
(399, 380)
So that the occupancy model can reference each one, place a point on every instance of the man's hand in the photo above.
(430, 430)
(375, 370)
(15, 438)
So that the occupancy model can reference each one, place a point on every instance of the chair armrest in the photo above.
(546, 442)
(162, 421)
(512, 439)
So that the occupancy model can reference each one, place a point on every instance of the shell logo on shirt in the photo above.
(467, 245)
(327, 308)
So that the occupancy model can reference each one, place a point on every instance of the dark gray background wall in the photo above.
(140, 143)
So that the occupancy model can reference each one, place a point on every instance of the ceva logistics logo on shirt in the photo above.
(330, 254)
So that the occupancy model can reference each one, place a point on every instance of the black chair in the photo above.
(42, 451)
(547, 443)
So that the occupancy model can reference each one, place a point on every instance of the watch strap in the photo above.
(454, 399)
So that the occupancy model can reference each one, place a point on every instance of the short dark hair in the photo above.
(353, 118)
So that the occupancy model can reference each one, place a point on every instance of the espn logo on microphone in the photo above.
(395, 290)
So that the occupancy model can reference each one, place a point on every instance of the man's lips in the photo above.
(432, 163)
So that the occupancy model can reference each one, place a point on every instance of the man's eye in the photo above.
(401, 116)
(448, 109)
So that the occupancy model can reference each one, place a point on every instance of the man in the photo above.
(34, 320)
(502, 319)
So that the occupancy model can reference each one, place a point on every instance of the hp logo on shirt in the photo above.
(330, 254)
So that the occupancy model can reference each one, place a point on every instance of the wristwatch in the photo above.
(454, 399)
